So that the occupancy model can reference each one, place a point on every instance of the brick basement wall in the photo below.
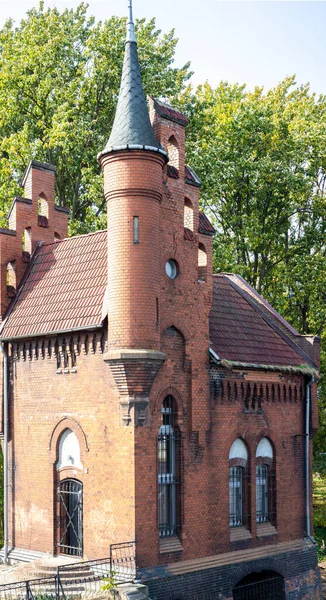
(300, 571)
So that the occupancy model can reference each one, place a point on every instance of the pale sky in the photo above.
(258, 43)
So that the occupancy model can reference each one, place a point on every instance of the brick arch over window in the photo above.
(169, 391)
(66, 423)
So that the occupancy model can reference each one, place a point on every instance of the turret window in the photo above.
(136, 230)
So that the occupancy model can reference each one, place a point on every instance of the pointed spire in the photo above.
(132, 128)
(130, 25)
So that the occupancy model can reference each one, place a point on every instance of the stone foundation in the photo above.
(298, 565)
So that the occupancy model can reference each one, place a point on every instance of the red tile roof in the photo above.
(240, 332)
(205, 225)
(63, 289)
(168, 112)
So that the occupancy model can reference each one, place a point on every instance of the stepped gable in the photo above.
(63, 288)
(240, 332)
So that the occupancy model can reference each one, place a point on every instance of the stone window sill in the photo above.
(239, 534)
(170, 544)
(265, 530)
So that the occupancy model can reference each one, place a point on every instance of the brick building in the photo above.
(145, 398)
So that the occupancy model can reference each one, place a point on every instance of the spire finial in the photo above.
(130, 25)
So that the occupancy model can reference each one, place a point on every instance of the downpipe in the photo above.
(4, 350)
(307, 459)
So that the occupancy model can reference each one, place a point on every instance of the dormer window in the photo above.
(188, 218)
(43, 211)
(173, 152)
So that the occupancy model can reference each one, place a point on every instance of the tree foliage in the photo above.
(262, 159)
(59, 83)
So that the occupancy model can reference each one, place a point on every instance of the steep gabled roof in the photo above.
(241, 332)
(63, 288)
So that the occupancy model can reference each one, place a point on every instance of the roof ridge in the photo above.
(74, 237)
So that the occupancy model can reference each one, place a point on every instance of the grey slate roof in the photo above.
(132, 128)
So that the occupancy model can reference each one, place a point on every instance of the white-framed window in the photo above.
(264, 487)
(238, 457)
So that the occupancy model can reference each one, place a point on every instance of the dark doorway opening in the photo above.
(70, 494)
(266, 585)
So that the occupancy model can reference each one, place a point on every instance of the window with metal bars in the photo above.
(236, 496)
(262, 515)
(169, 476)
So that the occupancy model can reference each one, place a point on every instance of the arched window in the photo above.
(43, 211)
(27, 240)
(188, 217)
(69, 450)
(238, 459)
(173, 151)
(264, 481)
(57, 237)
(202, 263)
(169, 501)
(11, 278)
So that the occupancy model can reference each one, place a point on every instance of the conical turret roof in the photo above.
(132, 128)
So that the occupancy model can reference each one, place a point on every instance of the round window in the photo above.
(171, 268)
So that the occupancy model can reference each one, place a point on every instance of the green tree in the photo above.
(262, 159)
(59, 84)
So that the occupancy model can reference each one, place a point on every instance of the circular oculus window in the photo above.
(172, 268)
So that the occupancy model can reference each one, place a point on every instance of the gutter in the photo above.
(303, 369)
(4, 350)
(307, 459)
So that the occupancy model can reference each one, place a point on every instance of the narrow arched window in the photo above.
(173, 152)
(11, 279)
(238, 459)
(27, 240)
(188, 217)
(43, 211)
(264, 481)
(202, 263)
(169, 502)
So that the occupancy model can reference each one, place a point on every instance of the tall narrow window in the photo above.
(188, 216)
(43, 211)
(173, 151)
(236, 499)
(238, 458)
(265, 482)
(27, 240)
(202, 263)
(136, 230)
(261, 493)
(169, 504)
(11, 279)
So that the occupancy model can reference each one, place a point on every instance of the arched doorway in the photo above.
(70, 496)
(266, 585)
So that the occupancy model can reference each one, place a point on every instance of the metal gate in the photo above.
(271, 588)
(70, 493)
